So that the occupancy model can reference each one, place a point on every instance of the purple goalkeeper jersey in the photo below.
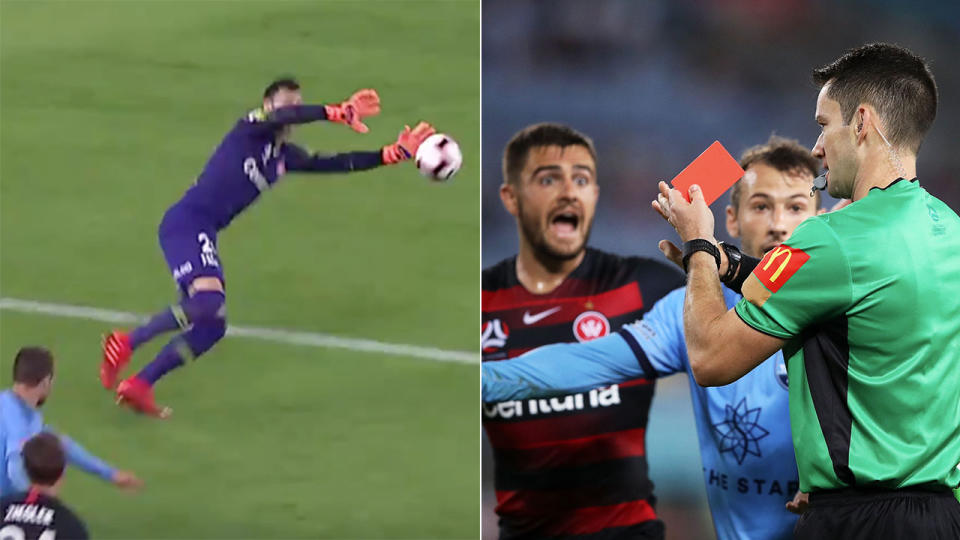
(251, 158)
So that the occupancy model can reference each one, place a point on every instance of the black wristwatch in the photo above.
(733, 261)
(699, 244)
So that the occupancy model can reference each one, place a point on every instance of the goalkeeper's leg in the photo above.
(207, 327)
(119, 346)
(191, 254)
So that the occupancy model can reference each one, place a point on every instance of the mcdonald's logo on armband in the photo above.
(779, 265)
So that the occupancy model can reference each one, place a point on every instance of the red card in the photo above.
(714, 171)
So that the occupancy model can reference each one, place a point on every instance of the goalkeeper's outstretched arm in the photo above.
(298, 159)
(290, 114)
(351, 112)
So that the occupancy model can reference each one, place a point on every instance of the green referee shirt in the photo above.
(868, 299)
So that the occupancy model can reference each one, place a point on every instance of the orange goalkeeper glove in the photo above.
(361, 104)
(407, 143)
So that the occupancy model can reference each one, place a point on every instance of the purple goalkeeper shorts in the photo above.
(190, 247)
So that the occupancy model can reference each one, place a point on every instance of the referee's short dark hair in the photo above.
(535, 136)
(898, 83)
(44, 459)
(32, 365)
(286, 83)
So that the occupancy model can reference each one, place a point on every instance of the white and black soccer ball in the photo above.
(439, 157)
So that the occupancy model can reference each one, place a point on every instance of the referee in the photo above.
(864, 302)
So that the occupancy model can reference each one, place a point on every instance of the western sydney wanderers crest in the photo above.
(494, 335)
(590, 325)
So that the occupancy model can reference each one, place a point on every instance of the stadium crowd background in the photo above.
(654, 83)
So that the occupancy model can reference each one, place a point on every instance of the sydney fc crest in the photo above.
(739, 433)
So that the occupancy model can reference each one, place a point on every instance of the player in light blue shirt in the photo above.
(21, 419)
(744, 428)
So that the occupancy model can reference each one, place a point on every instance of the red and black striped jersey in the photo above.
(575, 465)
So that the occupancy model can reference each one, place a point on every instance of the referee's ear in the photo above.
(508, 196)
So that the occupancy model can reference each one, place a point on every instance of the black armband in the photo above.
(747, 264)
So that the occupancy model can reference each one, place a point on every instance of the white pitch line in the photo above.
(312, 339)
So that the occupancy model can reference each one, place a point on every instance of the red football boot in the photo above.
(116, 356)
(138, 395)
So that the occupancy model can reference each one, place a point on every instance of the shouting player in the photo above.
(743, 428)
(20, 419)
(37, 514)
(573, 465)
(249, 160)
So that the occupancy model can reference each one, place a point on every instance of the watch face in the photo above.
(733, 262)
(732, 251)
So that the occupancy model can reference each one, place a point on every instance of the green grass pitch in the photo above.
(108, 111)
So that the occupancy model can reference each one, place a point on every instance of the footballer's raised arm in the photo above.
(721, 347)
(78, 456)
(559, 369)
(360, 105)
(297, 158)
(651, 348)
(292, 114)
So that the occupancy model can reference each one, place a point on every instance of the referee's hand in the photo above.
(690, 219)
(799, 503)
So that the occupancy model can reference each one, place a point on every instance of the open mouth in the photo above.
(565, 223)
